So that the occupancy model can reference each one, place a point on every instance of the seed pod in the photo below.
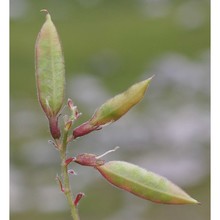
(50, 72)
(114, 108)
(117, 106)
(143, 183)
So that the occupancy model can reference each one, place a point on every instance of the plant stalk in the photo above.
(65, 177)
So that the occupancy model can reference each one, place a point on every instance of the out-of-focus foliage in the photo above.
(109, 45)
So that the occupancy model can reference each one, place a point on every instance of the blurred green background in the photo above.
(109, 45)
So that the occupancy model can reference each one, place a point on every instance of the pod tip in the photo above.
(47, 13)
(44, 10)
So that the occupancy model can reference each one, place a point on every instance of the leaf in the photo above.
(143, 183)
(50, 71)
(114, 108)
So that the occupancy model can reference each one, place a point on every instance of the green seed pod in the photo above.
(50, 71)
(143, 183)
(119, 105)
(114, 108)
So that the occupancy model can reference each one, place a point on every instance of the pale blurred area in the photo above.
(108, 46)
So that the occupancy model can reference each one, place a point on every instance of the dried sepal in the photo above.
(69, 160)
(84, 129)
(54, 144)
(143, 183)
(92, 160)
(54, 127)
(68, 125)
(72, 172)
(60, 183)
(75, 114)
(86, 159)
(78, 198)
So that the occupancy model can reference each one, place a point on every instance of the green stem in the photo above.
(65, 176)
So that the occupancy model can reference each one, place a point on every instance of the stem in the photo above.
(65, 176)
